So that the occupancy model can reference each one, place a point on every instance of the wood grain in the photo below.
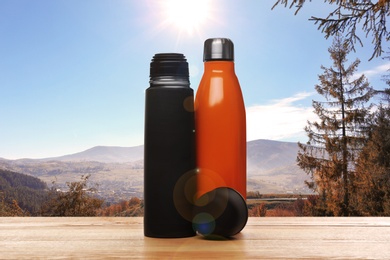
(262, 238)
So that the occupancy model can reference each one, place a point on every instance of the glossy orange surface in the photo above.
(220, 125)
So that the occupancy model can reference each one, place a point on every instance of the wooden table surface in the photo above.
(262, 238)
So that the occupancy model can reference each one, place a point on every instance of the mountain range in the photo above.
(106, 154)
(271, 168)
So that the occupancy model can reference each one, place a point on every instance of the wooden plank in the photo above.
(262, 238)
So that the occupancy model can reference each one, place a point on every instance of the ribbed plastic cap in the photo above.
(169, 64)
(218, 49)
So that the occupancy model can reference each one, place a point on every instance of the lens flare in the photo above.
(204, 223)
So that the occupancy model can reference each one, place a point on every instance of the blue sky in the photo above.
(73, 73)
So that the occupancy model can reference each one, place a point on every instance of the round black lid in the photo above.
(222, 212)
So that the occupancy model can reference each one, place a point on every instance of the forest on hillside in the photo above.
(20, 194)
(24, 195)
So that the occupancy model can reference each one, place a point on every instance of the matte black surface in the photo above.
(169, 149)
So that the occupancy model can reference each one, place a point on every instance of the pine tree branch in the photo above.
(350, 13)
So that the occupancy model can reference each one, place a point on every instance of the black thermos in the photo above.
(169, 148)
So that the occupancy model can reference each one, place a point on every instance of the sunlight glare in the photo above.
(187, 15)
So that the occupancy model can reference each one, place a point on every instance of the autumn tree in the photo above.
(259, 210)
(350, 17)
(10, 209)
(373, 167)
(340, 132)
(76, 201)
(131, 208)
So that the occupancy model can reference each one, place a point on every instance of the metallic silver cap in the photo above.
(218, 49)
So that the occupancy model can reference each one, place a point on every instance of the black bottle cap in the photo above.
(169, 64)
(221, 212)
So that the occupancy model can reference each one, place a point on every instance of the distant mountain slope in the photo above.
(261, 154)
(272, 168)
(267, 154)
(9, 179)
(106, 154)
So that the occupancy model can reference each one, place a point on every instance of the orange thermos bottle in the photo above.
(220, 122)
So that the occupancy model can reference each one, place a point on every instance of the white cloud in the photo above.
(280, 120)
(378, 70)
